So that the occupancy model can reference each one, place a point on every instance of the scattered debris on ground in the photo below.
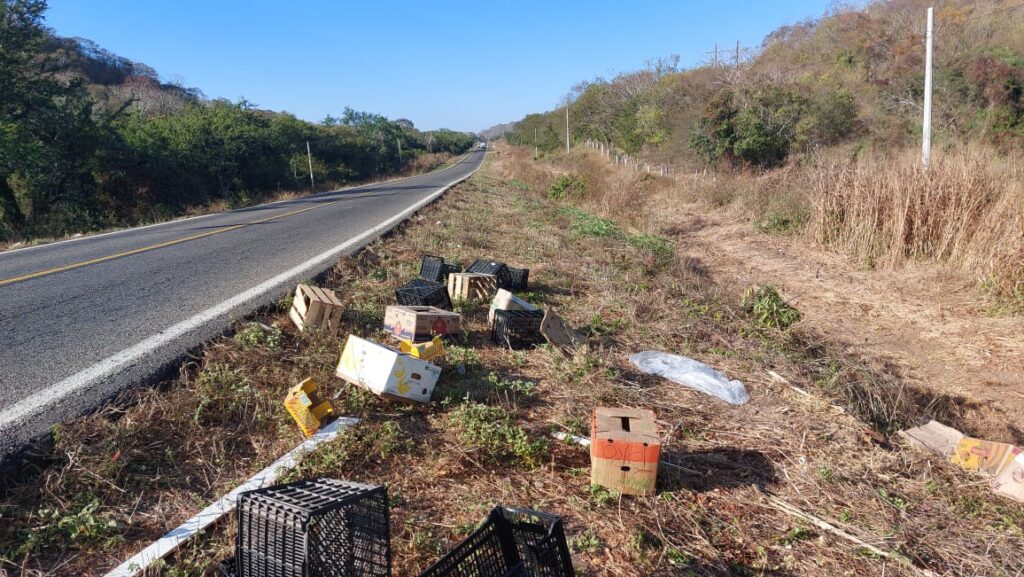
(806, 478)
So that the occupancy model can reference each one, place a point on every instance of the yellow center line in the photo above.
(227, 228)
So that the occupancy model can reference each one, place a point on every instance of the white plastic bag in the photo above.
(690, 373)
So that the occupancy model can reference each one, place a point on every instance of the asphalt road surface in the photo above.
(83, 319)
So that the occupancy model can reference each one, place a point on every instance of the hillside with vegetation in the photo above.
(91, 140)
(818, 131)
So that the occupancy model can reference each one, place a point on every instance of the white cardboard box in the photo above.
(386, 371)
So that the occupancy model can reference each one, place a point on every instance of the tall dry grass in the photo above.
(967, 211)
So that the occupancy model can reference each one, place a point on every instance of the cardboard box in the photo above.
(468, 286)
(425, 351)
(418, 324)
(307, 407)
(506, 301)
(625, 450)
(387, 372)
(1010, 480)
(981, 455)
(315, 307)
(1003, 461)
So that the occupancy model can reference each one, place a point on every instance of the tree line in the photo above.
(78, 156)
(853, 77)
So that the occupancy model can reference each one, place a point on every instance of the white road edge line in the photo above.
(198, 216)
(163, 546)
(110, 365)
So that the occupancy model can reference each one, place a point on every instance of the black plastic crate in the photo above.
(500, 271)
(520, 278)
(313, 528)
(510, 543)
(517, 328)
(423, 293)
(437, 269)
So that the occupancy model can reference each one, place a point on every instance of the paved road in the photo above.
(81, 320)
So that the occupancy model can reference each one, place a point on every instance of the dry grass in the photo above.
(717, 512)
(966, 210)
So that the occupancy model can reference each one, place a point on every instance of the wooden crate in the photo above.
(315, 307)
(624, 450)
(420, 324)
(471, 286)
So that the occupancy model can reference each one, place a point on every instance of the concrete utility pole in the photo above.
(567, 128)
(399, 141)
(737, 54)
(926, 132)
(309, 156)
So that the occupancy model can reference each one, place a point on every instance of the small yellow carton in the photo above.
(427, 351)
(306, 406)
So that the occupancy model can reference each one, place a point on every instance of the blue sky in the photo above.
(462, 65)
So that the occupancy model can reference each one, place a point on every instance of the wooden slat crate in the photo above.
(471, 286)
(315, 307)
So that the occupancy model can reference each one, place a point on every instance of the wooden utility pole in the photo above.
(309, 157)
(737, 54)
(926, 132)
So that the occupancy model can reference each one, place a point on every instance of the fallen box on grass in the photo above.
(510, 543)
(423, 293)
(315, 307)
(309, 409)
(1003, 461)
(386, 371)
(437, 269)
(417, 324)
(427, 351)
(624, 450)
(517, 329)
(313, 527)
(506, 301)
(471, 286)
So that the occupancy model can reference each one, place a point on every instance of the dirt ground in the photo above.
(933, 325)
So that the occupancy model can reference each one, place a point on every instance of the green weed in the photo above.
(585, 542)
(567, 186)
(253, 335)
(517, 387)
(492, 432)
(62, 530)
(586, 224)
(768, 308)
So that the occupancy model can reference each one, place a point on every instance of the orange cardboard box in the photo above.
(625, 450)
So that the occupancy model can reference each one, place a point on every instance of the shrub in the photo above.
(567, 186)
(586, 224)
(768, 308)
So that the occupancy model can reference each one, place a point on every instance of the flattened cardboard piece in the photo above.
(556, 332)
(935, 437)
(982, 455)
(1010, 480)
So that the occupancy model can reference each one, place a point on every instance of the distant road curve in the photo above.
(81, 320)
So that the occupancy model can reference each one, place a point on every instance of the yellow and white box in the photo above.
(307, 407)
(387, 372)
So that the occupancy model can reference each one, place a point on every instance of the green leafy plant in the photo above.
(567, 186)
(492, 432)
(585, 542)
(254, 335)
(768, 308)
(517, 387)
